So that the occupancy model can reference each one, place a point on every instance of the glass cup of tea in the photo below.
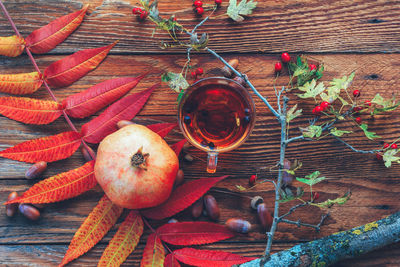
(216, 115)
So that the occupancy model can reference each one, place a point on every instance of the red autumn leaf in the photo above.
(29, 110)
(163, 129)
(93, 229)
(49, 148)
(61, 186)
(153, 254)
(46, 38)
(170, 261)
(20, 84)
(106, 123)
(177, 147)
(73, 67)
(193, 233)
(88, 102)
(208, 258)
(182, 197)
(12, 46)
(124, 241)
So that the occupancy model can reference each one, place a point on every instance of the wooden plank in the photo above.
(275, 26)
(52, 254)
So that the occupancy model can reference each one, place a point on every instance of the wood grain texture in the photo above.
(275, 26)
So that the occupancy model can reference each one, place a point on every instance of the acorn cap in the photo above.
(255, 201)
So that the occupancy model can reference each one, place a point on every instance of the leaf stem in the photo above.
(72, 126)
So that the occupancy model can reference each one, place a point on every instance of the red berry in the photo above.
(358, 120)
(278, 67)
(252, 180)
(174, 19)
(312, 67)
(144, 15)
(325, 105)
(356, 93)
(218, 2)
(367, 102)
(317, 110)
(315, 195)
(393, 146)
(285, 57)
(199, 10)
(199, 71)
(194, 74)
(379, 156)
(386, 145)
(136, 10)
(198, 3)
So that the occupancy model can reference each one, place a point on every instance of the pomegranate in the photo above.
(135, 167)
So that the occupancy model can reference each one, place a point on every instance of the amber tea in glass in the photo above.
(216, 115)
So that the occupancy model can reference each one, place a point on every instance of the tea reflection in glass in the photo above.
(216, 115)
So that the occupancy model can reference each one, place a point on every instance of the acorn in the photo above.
(211, 206)
(11, 209)
(180, 176)
(197, 208)
(255, 201)
(264, 215)
(29, 211)
(86, 154)
(227, 72)
(36, 170)
(238, 225)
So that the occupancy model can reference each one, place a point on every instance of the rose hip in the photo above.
(211, 206)
(11, 208)
(238, 225)
(36, 170)
(285, 57)
(278, 67)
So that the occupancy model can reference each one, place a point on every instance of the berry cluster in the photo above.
(285, 58)
(198, 6)
(386, 146)
(142, 13)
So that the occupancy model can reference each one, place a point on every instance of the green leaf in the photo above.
(312, 131)
(287, 195)
(311, 179)
(390, 156)
(311, 89)
(293, 113)
(337, 132)
(387, 105)
(342, 83)
(175, 81)
(243, 8)
(368, 134)
(330, 202)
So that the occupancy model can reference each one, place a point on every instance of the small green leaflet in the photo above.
(287, 194)
(311, 179)
(369, 135)
(244, 8)
(390, 156)
(311, 89)
(330, 202)
(387, 105)
(175, 81)
(312, 131)
(293, 113)
(343, 83)
(302, 72)
(339, 133)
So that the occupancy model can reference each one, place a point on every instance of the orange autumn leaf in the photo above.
(61, 186)
(29, 110)
(20, 84)
(153, 254)
(49, 148)
(46, 38)
(124, 241)
(73, 67)
(11, 46)
(93, 229)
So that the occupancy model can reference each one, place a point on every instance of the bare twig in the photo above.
(354, 149)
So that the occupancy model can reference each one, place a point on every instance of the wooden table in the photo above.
(345, 35)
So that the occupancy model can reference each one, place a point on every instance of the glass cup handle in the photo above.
(212, 160)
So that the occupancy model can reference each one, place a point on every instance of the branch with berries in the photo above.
(335, 104)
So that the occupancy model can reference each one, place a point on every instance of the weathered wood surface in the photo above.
(310, 26)
(276, 26)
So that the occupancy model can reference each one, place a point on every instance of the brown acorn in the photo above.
(211, 206)
(36, 170)
(11, 208)
(197, 208)
(265, 217)
(238, 225)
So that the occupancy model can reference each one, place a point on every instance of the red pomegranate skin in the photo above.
(127, 185)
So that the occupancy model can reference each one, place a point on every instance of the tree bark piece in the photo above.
(338, 246)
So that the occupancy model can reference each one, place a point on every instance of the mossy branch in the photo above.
(339, 246)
